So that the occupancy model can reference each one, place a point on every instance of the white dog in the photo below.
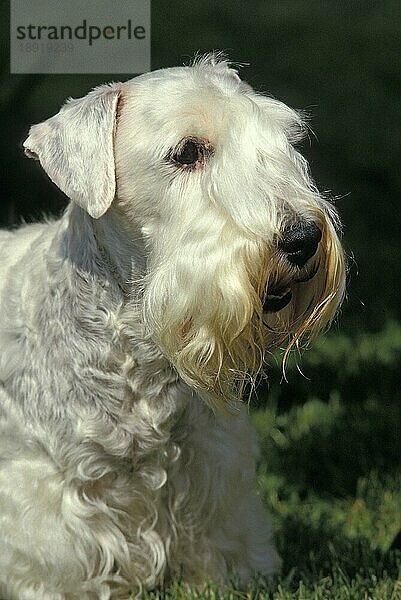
(195, 242)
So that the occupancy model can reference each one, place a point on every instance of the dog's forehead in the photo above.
(185, 100)
(195, 78)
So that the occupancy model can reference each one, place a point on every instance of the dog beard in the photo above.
(207, 307)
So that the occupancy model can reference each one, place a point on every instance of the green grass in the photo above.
(330, 474)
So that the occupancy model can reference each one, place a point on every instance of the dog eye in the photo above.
(188, 154)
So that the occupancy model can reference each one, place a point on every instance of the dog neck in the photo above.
(109, 243)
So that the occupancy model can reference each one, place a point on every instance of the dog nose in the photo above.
(300, 242)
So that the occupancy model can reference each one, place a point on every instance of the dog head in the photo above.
(243, 254)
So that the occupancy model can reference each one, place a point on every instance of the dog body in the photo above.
(129, 327)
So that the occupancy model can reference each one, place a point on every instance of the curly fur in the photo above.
(126, 321)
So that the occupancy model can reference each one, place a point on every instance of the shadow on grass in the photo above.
(311, 553)
(327, 447)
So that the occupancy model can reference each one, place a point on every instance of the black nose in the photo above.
(300, 242)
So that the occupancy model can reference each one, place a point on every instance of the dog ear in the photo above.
(76, 148)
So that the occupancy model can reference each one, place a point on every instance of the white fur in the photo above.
(125, 322)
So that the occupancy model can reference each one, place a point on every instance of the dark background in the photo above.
(339, 61)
